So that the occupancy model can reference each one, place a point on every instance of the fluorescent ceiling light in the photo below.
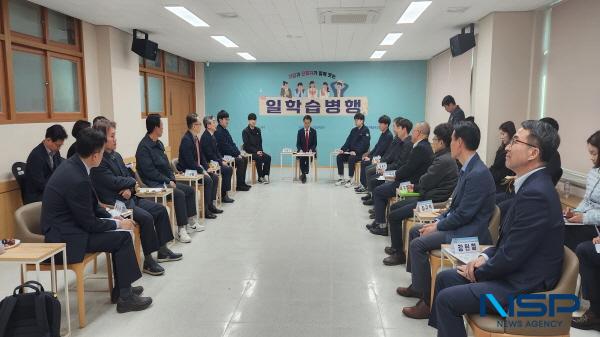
(414, 10)
(225, 41)
(378, 54)
(390, 39)
(186, 15)
(247, 56)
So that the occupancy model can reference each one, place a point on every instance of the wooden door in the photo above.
(180, 102)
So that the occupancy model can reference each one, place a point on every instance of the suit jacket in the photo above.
(111, 177)
(225, 142)
(399, 158)
(72, 150)
(70, 210)
(152, 163)
(553, 168)
(252, 139)
(499, 169)
(358, 140)
(456, 116)
(301, 140)
(210, 150)
(188, 156)
(383, 143)
(37, 173)
(473, 204)
(529, 254)
(416, 165)
(440, 179)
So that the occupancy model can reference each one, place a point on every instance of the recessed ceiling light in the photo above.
(378, 54)
(224, 41)
(186, 15)
(414, 10)
(247, 56)
(390, 39)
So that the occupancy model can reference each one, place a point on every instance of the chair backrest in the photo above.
(566, 285)
(28, 219)
(174, 164)
(18, 171)
(494, 226)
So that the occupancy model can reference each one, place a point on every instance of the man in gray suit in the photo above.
(469, 214)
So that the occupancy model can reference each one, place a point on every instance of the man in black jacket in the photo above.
(383, 143)
(306, 141)
(417, 164)
(210, 151)
(394, 158)
(435, 185)
(355, 146)
(191, 158)
(227, 147)
(71, 214)
(113, 181)
(41, 162)
(155, 170)
(253, 144)
(456, 113)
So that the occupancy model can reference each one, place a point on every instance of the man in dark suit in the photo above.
(383, 143)
(252, 138)
(419, 159)
(356, 145)
(227, 147)
(589, 268)
(113, 181)
(469, 214)
(210, 151)
(456, 113)
(71, 214)
(155, 170)
(394, 158)
(41, 162)
(528, 256)
(306, 141)
(191, 158)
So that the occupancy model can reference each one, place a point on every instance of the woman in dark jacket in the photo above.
(498, 168)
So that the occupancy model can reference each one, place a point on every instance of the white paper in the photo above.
(190, 173)
(425, 206)
(597, 248)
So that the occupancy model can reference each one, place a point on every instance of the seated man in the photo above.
(469, 215)
(253, 145)
(210, 151)
(383, 143)
(191, 158)
(435, 185)
(528, 256)
(228, 148)
(306, 141)
(553, 167)
(419, 159)
(155, 170)
(41, 162)
(356, 144)
(77, 127)
(395, 157)
(71, 214)
(589, 268)
(113, 181)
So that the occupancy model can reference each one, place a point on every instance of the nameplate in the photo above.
(425, 206)
(465, 245)
(382, 166)
(190, 173)
(404, 187)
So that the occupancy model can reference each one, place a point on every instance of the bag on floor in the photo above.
(35, 314)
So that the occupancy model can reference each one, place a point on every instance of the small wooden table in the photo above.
(36, 253)
(311, 162)
(162, 195)
(197, 182)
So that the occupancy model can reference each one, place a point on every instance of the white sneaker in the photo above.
(196, 227)
(261, 180)
(266, 180)
(183, 236)
(340, 182)
(349, 183)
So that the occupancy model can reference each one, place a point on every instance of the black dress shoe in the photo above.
(303, 178)
(242, 188)
(371, 225)
(371, 211)
(379, 231)
(368, 202)
(588, 321)
(366, 197)
(395, 259)
(133, 303)
(390, 250)
(114, 294)
(372, 216)
(152, 268)
(215, 210)
(168, 256)
(227, 200)
(209, 215)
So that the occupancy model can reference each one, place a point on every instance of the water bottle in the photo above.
(567, 189)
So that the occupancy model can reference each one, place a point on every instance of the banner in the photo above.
(325, 106)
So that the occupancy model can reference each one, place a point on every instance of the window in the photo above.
(171, 62)
(143, 91)
(41, 65)
(155, 94)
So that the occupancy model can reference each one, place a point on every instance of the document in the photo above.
(151, 189)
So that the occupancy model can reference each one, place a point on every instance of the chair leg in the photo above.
(109, 272)
(96, 265)
(78, 269)
(137, 246)
(435, 263)
(253, 168)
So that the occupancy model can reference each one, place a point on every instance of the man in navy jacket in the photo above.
(383, 144)
(227, 147)
(356, 145)
(306, 141)
(210, 152)
(529, 254)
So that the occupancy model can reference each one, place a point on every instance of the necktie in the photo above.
(51, 157)
(306, 140)
(198, 151)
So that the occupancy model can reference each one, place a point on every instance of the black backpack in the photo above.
(35, 314)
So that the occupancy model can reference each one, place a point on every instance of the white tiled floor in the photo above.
(285, 259)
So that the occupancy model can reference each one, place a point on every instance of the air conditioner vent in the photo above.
(351, 16)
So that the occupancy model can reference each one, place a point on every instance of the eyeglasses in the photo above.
(514, 140)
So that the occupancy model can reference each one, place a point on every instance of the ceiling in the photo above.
(288, 30)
